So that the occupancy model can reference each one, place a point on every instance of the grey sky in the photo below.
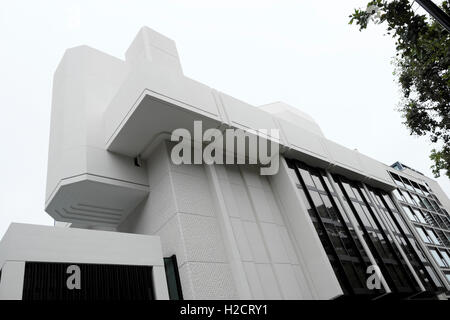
(301, 52)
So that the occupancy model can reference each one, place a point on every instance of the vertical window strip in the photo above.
(348, 258)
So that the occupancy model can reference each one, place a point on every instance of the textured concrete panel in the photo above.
(186, 282)
(287, 244)
(158, 165)
(194, 170)
(274, 243)
(304, 285)
(243, 202)
(288, 281)
(256, 242)
(202, 238)
(262, 207)
(234, 174)
(211, 280)
(272, 202)
(192, 194)
(172, 240)
(230, 200)
(161, 204)
(241, 240)
(268, 281)
(253, 280)
(252, 176)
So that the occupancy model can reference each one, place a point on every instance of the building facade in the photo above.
(327, 220)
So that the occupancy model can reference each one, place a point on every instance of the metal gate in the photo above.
(78, 281)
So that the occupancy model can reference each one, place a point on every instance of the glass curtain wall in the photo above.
(376, 218)
(430, 219)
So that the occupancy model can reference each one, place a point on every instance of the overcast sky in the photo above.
(303, 53)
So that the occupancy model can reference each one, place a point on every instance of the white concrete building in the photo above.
(310, 231)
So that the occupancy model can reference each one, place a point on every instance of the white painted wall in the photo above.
(23, 242)
(11, 282)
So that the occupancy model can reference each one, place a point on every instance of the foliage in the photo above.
(422, 68)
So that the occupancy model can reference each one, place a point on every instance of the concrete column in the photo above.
(160, 283)
(231, 246)
(11, 282)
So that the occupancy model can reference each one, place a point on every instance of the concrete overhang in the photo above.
(157, 98)
(89, 200)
